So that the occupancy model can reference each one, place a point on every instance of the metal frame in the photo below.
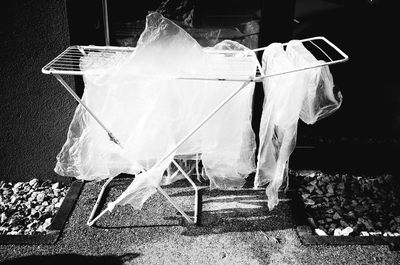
(105, 23)
(67, 63)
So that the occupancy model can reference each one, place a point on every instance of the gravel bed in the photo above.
(349, 205)
(27, 208)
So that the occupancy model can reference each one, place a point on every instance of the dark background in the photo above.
(362, 135)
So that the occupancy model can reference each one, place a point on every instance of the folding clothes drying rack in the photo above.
(67, 63)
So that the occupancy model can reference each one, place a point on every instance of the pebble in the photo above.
(337, 232)
(18, 185)
(40, 229)
(3, 217)
(336, 216)
(375, 233)
(309, 202)
(347, 231)
(35, 214)
(50, 208)
(26, 189)
(320, 232)
(34, 195)
(340, 186)
(351, 214)
(47, 223)
(310, 188)
(34, 223)
(13, 199)
(311, 222)
(13, 233)
(55, 186)
(33, 182)
(364, 233)
(40, 197)
(330, 188)
(330, 211)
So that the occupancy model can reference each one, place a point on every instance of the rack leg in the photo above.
(171, 175)
(75, 96)
(196, 191)
(187, 217)
(93, 219)
(257, 175)
(197, 167)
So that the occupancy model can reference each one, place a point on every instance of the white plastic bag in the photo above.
(304, 94)
(139, 98)
(320, 100)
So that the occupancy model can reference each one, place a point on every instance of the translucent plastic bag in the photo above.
(139, 98)
(304, 94)
(320, 100)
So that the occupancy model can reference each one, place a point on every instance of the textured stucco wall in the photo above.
(35, 110)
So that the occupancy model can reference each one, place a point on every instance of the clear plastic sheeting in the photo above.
(320, 99)
(304, 94)
(152, 100)
(139, 98)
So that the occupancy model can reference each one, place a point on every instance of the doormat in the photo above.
(341, 209)
(57, 223)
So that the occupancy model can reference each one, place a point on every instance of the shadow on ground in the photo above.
(67, 259)
(243, 210)
(221, 211)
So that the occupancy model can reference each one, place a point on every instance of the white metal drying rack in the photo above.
(67, 63)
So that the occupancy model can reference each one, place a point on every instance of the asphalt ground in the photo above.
(236, 228)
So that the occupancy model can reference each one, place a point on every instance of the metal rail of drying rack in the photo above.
(67, 63)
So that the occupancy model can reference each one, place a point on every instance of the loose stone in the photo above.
(33, 182)
(336, 216)
(337, 232)
(320, 232)
(40, 197)
(347, 231)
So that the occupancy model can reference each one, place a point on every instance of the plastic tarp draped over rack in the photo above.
(307, 95)
(144, 101)
(139, 97)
